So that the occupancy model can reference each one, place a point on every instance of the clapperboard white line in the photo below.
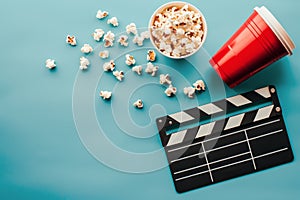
(270, 153)
(185, 177)
(222, 136)
(190, 156)
(271, 122)
(224, 147)
(189, 169)
(190, 145)
(271, 133)
(232, 164)
(247, 139)
(205, 155)
(229, 145)
(228, 158)
(214, 162)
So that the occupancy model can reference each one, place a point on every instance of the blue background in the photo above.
(41, 155)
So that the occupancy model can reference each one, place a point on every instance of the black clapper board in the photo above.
(202, 151)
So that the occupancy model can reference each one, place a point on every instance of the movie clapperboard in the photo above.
(225, 139)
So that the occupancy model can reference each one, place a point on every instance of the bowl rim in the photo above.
(181, 3)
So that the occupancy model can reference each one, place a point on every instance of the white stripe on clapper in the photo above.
(250, 149)
(181, 117)
(234, 121)
(177, 137)
(265, 92)
(205, 130)
(263, 113)
(209, 170)
(239, 100)
(210, 109)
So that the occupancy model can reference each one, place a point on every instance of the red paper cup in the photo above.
(259, 42)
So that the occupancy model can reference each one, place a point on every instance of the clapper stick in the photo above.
(243, 143)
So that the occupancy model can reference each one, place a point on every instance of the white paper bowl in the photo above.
(178, 4)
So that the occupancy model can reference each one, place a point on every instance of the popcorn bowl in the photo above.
(177, 29)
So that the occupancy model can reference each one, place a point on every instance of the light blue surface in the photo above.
(41, 154)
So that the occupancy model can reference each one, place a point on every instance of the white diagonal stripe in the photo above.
(265, 92)
(181, 117)
(177, 138)
(263, 113)
(238, 100)
(234, 121)
(210, 109)
(205, 130)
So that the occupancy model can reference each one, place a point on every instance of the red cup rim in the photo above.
(276, 27)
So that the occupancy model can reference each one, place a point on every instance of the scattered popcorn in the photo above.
(139, 104)
(199, 85)
(98, 34)
(178, 31)
(71, 40)
(138, 69)
(170, 91)
(145, 34)
(105, 95)
(189, 91)
(129, 60)
(123, 40)
(151, 69)
(101, 14)
(109, 66)
(119, 75)
(131, 28)
(165, 79)
(138, 40)
(113, 21)
(84, 63)
(86, 49)
(104, 54)
(109, 38)
(151, 56)
(50, 64)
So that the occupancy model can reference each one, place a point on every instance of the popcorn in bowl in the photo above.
(177, 29)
